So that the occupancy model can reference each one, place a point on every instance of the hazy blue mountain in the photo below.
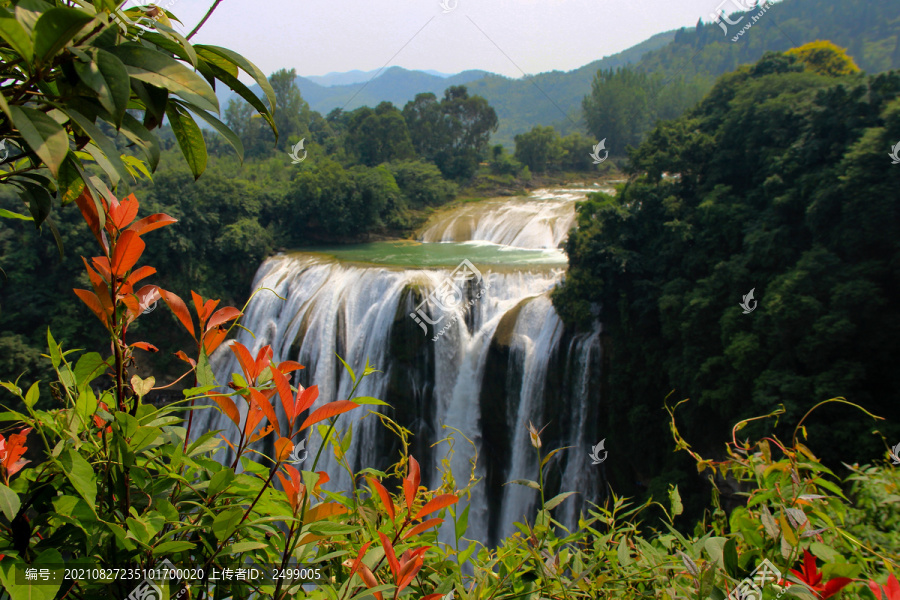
(347, 78)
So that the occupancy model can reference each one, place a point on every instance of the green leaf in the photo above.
(43, 135)
(557, 500)
(141, 136)
(80, 474)
(8, 214)
(16, 36)
(190, 140)
(240, 547)
(526, 482)
(730, 557)
(103, 142)
(223, 130)
(370, 400)
(69, 182)
(220, 481)
(346, 366)
(39, 200)
(547, 458)
(55, 29)
(107, 76)
(675, 501)
(248, 67)
(163, 71)
(9, 502)
(86, 404)
(462, 523)
(89, 366)
(226, 522)
(623, 554)
(31, 397)
(328, 528)
(172, 547)
(205, 376)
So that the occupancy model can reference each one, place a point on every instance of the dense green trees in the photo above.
(453, 133)
(542, 150)
(779, 181)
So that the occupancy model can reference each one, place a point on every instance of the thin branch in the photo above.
(205, 17)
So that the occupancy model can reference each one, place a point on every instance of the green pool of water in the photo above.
(411, 254)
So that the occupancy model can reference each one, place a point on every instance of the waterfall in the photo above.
(495, 360)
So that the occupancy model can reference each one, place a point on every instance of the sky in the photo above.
(509, 37)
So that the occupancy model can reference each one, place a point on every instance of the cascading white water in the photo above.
(340, 306)
(542, 220)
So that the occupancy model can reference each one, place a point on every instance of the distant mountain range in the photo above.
(357, 76)
(867, 28)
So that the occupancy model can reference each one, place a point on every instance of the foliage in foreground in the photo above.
(117, 482)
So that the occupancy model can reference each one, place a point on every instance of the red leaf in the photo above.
(360, 556)
(125, 212)
(391, 557)
(331, 409)
(289, 366)
(267, 409)
(323, 479)
(245, 359)
(152, 222)
(92, 303)
(255, 416)
(180, 354)
(263, 357)
(228, 407)
(102, 265)
(180, 309)
(433, 596)
(411, 483)
(306, 398)
(129, 248)
(213, 339)
(285, 394)
(385, 497)
(436, 504)
(138, 274)
(283, 448)
(422, 527)
(88, 209)
(198, 305)
(145, 346)
(407, 573)
(369, 579)
(223, 315)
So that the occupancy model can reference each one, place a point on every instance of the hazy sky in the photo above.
(502, 36)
